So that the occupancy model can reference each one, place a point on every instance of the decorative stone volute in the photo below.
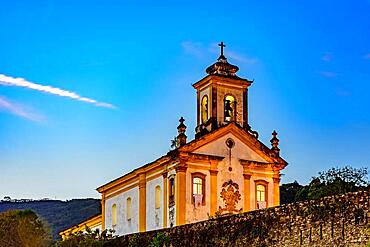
(275, 143)
(181, 137)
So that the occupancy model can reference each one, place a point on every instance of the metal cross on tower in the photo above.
(222, 45)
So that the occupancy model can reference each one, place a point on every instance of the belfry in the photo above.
(222, 97)
(224, 170)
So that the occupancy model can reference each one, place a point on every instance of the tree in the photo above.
(288, 192)
(22, 228)
(337, 181)
(7, 198)
(334, 181)
(174, 143)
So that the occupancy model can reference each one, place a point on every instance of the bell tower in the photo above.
(222, 97)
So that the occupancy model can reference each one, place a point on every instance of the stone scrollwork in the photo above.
(172, 216)
(231, 196)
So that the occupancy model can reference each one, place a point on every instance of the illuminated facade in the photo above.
(224, 170)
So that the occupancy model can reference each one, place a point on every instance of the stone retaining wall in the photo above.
(332, 221)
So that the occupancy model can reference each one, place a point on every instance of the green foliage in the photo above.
(288, 192)
(59, 214)
(88, 238)
(159, 240)
(22, 228)
(134, 240)
(174, 143)
(334, 181)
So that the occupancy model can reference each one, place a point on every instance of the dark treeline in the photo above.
(334, 181)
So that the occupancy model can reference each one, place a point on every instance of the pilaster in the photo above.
(181, 194)
(103, 211)
(245, 108)
(213, 187)
(247, 192)
(165, 206)
(142, 202)
(276, 179)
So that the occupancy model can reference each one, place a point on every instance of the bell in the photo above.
(227, 114)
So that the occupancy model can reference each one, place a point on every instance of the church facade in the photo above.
(224, 170)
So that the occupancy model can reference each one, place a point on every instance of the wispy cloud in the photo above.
(367, 56)
(201, 51)
(232, 54)
(327, 57)
(241, 58)
(193, 48)
(328, 74)
(19, 110)
(20, 82)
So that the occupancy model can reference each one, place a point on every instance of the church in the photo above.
(224, 170)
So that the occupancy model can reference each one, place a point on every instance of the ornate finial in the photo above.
(275, 143)
(182, 127)
(181, 137)
(222, 67)
(181, 120)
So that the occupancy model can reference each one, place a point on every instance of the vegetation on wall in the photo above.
(88, 238)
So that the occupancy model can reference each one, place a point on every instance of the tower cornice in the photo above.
(222, 80)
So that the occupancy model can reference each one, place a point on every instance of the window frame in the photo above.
(202, 109)
(128, 208)
(234, 106)
(114, 214)
(157, 197)
(171, 193)
(203, 178)
(264, 184)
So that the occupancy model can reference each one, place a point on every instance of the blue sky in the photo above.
(310, 62)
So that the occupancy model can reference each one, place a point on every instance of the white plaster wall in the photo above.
(199, 213)
(123, 226)
(154, 216)
(224, 175)
(207, 92)
(239, 151)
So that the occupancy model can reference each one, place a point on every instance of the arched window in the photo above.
(229, 108)
(205, 109)
(114, 215)
(157, 197)
(261, 194)
(171, 189)
(128, 208)
(198, 188)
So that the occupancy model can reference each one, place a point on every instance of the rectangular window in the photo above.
(198, 189)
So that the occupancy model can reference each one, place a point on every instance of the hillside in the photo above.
(59, 215)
